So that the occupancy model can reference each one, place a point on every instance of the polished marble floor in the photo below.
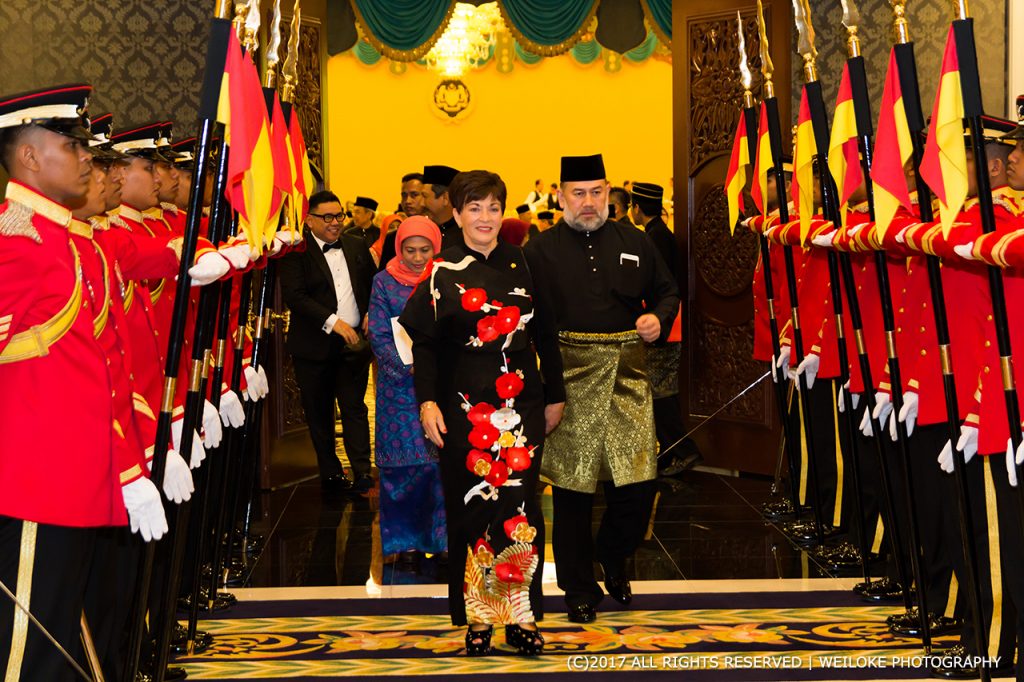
(705, 526)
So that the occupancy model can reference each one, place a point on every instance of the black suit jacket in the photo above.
(308, 290)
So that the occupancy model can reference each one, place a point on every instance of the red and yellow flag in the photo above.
(303, 174)
(803, 167)
(242, 110)
(893, 148)
(762, 164)
(736, 177)
(944, 165)
(843, 155)
(283, 180)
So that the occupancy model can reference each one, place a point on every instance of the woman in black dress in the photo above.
(478, 328)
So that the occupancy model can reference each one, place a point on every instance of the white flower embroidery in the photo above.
(505, 419)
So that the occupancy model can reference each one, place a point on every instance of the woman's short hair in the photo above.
(474, 185)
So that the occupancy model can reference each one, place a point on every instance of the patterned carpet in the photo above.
(735, 636)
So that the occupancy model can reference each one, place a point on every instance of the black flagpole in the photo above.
(215, 57)
(830, 209)
(907, 67)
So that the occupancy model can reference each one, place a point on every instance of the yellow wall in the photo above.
(381, 125)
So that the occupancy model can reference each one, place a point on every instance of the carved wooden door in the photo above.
(717, 268)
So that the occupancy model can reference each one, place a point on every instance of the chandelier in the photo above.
(467, 41)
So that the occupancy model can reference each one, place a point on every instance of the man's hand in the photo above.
(366, 325)
(648, 327)
(346, 332)
(552, 416)
(433, 422)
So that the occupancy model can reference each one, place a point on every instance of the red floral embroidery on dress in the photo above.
(480, 413)
(483, 436)
(486, 329)
(507, 320)
(474, 299)
(509, 385)
(518, 458)
(498, 474)
(479, 462)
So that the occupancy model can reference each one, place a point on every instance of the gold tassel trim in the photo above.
(16, 221)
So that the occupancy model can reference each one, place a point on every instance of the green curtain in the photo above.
(587, 52)
(660, 13)
(643, 50)
(367, 53)
(547, 23)
(525, 56)
(402, 28)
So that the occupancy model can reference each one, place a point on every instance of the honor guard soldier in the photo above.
(51, 506)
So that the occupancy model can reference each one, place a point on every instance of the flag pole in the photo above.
(970, 88)
(771, 104)
(749, 113)
(220, 27)
(903, 50)
(830, 210)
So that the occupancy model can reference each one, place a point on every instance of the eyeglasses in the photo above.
(329, 217)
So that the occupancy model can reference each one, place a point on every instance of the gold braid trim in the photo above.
(651, 24)
(16, 221)
(548, 50)
(402, 55)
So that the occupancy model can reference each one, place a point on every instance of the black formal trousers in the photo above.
(47, 568)
(622, 529)
(342, 377)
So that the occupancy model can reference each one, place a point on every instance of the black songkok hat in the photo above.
(522, 208)
(141, 142)
(61, 109)
(439, 175)
(367, 202)
(545, 215)
(1018, 132)
(582, 168)
(647, 193)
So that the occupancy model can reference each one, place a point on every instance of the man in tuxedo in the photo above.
(327, 288)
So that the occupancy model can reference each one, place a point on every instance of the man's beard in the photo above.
(589, 224)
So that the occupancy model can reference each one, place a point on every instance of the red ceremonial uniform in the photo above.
(57, 461)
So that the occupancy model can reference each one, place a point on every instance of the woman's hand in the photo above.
(552, 416)
(433, 422)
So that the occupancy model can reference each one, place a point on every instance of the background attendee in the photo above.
(327, 288)
(363, 212)
(619, 198)
(412, 516)
(437, 205)
(537, 198)
(474, 327)
(554, 202)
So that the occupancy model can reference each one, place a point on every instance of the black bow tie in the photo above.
(335, 245)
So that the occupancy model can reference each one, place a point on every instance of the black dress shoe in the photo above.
(364, 482)
(582, 613)
(954, 668)
(336, 483)
(179, 641)
(619, 589)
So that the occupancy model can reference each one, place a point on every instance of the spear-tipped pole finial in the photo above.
(960, 10)
(851, 20)
(222, 9)
(252, 27)
(767, 68)
(745, 78)
(273, 46)
(805, 42)
(238, 23)
(290, 71)
(900, 26)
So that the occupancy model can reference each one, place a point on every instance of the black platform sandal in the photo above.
(528, 642)
(478, 642)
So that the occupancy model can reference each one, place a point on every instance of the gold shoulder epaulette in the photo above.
(118, 221)
(171, 208)
(16, 221)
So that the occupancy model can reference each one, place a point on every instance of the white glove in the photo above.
(1011, 466)
(209, 268)
(145, 510)
(255, 384)
(967, 443)
(824, 240)
(239, 255)
(883, 406)
(291, 237)
(198, 451)
(212, 432)
(808, 365)
(231, 412)
(965, 251)
(781, 363)
(264, 383)
(275, 246)
(178, 485)
(854, 398)
(908, 414)
(865, 424)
